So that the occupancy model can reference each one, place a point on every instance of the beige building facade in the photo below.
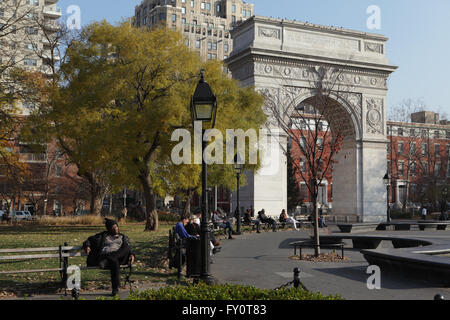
(205, 24)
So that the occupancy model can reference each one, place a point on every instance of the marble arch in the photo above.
(272, 55)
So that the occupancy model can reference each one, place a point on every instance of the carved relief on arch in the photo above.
(374, 116)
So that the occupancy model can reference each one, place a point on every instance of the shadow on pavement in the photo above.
(388, 281)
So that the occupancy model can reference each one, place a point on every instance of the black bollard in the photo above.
(296, 277)
(439, 297)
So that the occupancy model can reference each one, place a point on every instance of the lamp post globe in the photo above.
(203, 109)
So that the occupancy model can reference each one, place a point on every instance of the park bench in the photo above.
(311, 244)
(357, 227)
(63, 253)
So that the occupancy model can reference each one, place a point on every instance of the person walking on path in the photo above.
(109, 250)
(424, 213)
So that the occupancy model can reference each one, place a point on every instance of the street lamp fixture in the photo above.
(204, 108)
(238, 167)
(387, 182)
(204, 103)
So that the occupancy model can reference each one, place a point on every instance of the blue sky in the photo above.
(418, 32)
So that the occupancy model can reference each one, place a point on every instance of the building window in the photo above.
(400, 148)
(174, 18)
(233, 8)
(424, 134)
(30, 62)
(437, 134)
(225, 47)
(412, 148)
(412, 168)
(437, 150)
(303, 165)
(183, 10)
(401, 169)
(424, 149)
(197, 44)
(412, 132)
(437, 169)
(320, 144)
(400, 132)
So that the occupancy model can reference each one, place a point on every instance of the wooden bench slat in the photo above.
(43, 256)
(31, 271)
(28, 257)
(48, 249)
(20, 250)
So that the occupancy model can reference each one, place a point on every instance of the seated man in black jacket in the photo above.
(109, 250)
(265, 219)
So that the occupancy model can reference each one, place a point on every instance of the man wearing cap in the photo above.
(109, 250)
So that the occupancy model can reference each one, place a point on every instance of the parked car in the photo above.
(21, 215)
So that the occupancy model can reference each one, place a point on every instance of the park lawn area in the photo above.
(150, 248)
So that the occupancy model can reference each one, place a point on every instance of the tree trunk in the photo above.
(187, 206)
(316, 226)
(152, 221)
(98, 193)
(96, 202)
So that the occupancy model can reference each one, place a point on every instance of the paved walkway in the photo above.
(262, 260)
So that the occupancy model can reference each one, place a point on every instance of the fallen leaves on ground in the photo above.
(323, 257)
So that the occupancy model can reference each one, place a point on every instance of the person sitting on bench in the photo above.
(194, 229)
(109, 250)
(248, 220)
(265, 219)
(223, 224)
(284, 218)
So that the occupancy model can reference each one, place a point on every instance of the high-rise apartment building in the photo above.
(205, 24)
(28, 36)
(25, 27)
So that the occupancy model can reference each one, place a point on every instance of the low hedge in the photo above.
(227, 292)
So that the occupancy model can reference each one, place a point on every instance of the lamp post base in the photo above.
(208, 280)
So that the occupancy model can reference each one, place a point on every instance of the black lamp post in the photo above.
(238, 167)
(204, 108)
(444, 194)
(387, 182)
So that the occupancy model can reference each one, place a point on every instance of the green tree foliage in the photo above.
(122, 93)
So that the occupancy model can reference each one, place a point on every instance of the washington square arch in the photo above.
(272, 54)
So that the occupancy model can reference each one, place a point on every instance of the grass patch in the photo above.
(150, 249)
